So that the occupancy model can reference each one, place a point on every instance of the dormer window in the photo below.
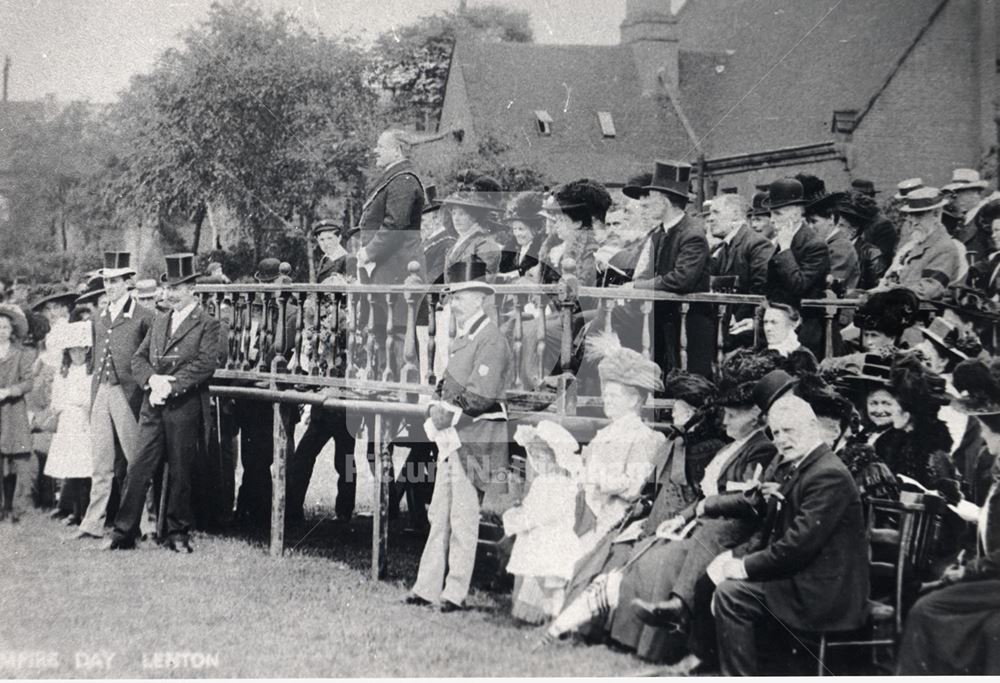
(544, 122)
(607, 124)
(844, 120)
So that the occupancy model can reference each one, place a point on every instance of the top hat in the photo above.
(944, 335)
(672, 178)
(117, 264)
(482, 192)
(864, 186)
(785, 192)
(145, 290)
(431, 202)
(64, 297)
(907, 186)
(924, 199)
(17, 319)
(757, 207)
(525, 207)
(771, 387)
(635, 187)
(180, 269)
(965, 179)
(468, 275)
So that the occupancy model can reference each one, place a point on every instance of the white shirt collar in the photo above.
(116, 307)
(177, 317)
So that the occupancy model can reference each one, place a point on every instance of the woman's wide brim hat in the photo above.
(969, 302)
(66, 297)
(889, 312)
(876, 373)
(483, 193)
(635, 187)
(93, 292)
(944, 335)
(18, 320)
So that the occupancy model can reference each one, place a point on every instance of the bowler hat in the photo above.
(180, 269)
(482, 192)
(907, 186)
(269, 270)
(468, 275)
(771, 387)
(757, 207)
(924, 199)
(785, 192)
(864, 186)
(965, 179)
(117, 264)
(18, 320)
(671, 178)
(635, 187)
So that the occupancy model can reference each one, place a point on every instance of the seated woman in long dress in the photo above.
(956, 630)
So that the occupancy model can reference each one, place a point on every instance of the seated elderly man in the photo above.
(811, 573)
(927, 248)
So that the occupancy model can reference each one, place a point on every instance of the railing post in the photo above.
(720, 336)
(830, 312)
(646, 307)
(278, 471)
(685, 307)
(380, 520)
(432, 311)
(517, 341)
(568, 289)
(411, 362)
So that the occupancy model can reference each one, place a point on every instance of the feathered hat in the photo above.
(740, 373)
(688, 387)
(617, 363)
(825, 400)
(918, 390)
(888, 312)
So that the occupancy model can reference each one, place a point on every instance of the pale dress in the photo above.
(69, 454)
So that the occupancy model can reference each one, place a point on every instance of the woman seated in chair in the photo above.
(955, 629)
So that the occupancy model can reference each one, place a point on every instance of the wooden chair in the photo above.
(900, 535)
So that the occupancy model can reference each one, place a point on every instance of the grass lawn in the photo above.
(315, 612)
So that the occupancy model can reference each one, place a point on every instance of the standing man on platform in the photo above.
(468, 419)
(390, 232)
(173, 366)
(116, 395)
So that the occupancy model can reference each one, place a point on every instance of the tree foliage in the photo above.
(412, 61)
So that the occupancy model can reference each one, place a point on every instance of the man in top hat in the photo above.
(811, 571)
(928, 247)
(116, 394)
(801, 262)
(172, 366)
(675, 258)
(468, 420)
(742, 253)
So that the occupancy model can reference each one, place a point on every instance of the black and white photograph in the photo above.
(516, 339)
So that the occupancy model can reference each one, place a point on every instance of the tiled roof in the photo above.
(805, 71)
(507, 83)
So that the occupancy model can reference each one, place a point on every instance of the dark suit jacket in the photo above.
(814, 564)
(759, 450)
(120, 338)
(191, 354)
(679, 258)
(980, 275)
(844, 266)
(746, 256)
(801, 272)
(390, 224)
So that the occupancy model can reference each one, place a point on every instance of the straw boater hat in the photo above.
(965, 179)
(17, 319)
(117, 264)
(924, 199)
(979, 384)
(617, 363)
(907, 186)
(944, 336)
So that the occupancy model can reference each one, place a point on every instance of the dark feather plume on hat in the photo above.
(824, 399)
(979, 379)
(688, 387)
(888, 312)
(740, 372)
(918, 390)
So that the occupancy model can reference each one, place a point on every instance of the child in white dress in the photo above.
(69, 455)
(546, 548)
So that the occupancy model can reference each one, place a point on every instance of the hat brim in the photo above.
(69, 297)
(684, 196)
(634, 191)
(855, 384)
(181, 280)
(966, 311)
(958, 187)
(331, 228)
(970, 406)
(942, 344)
(471, 286)
(778, 393)
(107, 273)
(431, 208)
(468, 204)
(923, 209)
(767, 204)
(826, 201)
(87, 297)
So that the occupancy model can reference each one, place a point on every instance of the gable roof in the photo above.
(506, 83)
(805, 71)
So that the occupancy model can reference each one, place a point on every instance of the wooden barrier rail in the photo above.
(320, 344)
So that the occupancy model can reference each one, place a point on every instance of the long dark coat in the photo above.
(800, 272)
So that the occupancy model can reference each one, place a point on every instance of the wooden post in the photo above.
(278, 469)
(830, 312)
(517, 341)
(380, 519)
(568, 290)
(720, 337)
(432, 310)
(685, 307)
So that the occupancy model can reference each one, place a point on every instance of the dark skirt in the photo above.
(954, 631)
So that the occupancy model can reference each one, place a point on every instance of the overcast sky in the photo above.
(88, 49)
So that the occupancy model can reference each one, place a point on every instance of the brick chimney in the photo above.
(650, 29)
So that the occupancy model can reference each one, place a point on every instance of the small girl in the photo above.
(69, 455)
(546, 548)
(16, 380)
